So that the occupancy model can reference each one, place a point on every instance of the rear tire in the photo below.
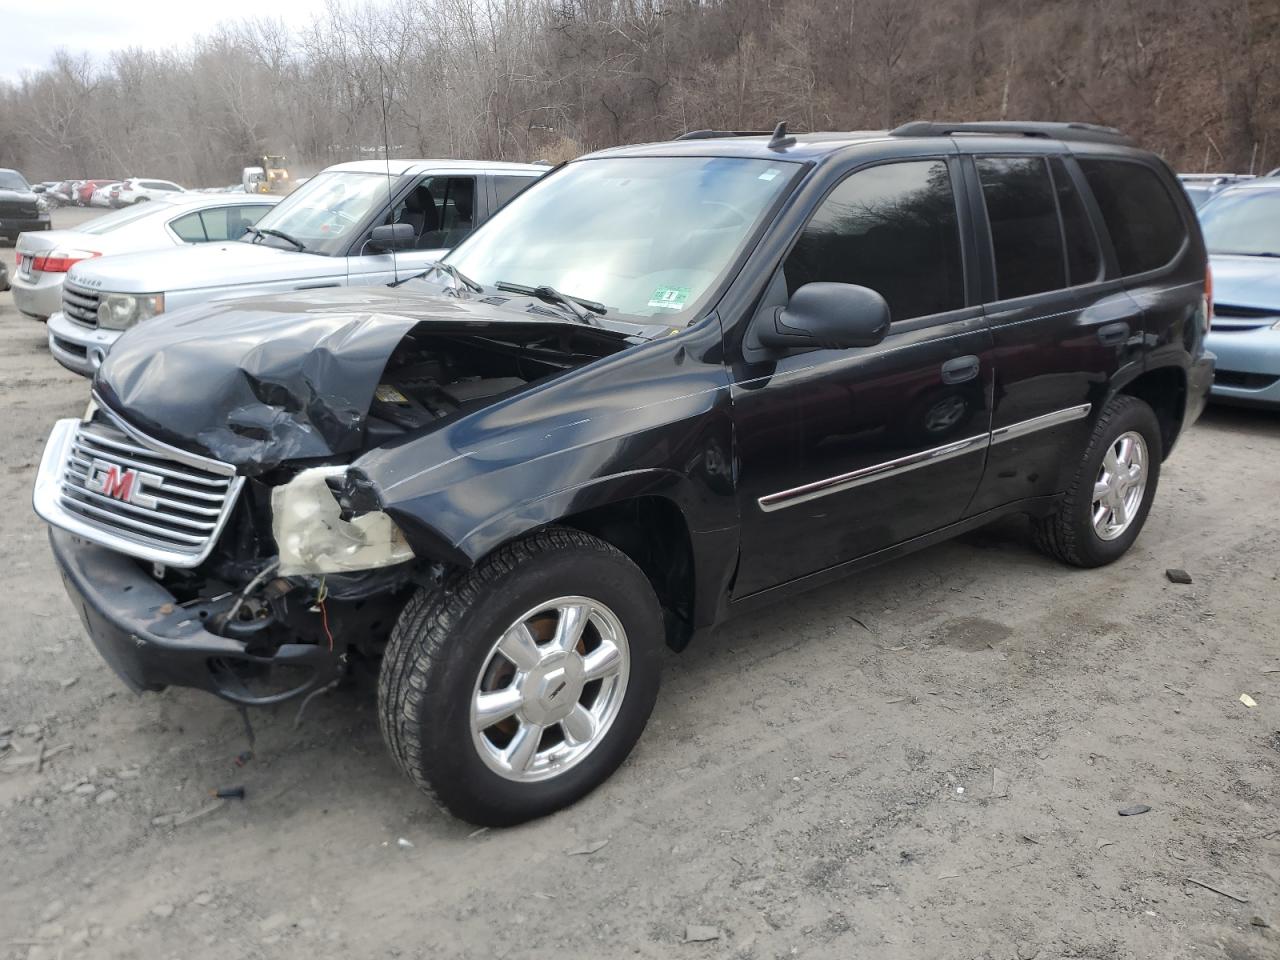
(565, 698)
(1107, 503)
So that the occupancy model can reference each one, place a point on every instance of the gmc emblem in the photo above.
(123, 483)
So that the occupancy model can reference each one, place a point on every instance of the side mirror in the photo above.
(392, 236)
(38, 188)
(830, 315)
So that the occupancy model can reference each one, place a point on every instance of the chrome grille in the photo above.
(80, 303)
(142, 498)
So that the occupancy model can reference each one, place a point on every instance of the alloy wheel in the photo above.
(550, 689)
(1121, 483)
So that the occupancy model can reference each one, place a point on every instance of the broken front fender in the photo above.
(651, 421)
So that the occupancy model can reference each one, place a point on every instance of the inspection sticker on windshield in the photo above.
(672, 298)
(769, 174)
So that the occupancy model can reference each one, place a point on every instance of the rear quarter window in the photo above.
(189, 228)
(1146, 228)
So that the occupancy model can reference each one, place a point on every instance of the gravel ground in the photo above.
(924, 761)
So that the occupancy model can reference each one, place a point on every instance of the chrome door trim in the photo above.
(877, 471)
(891, 468)
(1023, 427)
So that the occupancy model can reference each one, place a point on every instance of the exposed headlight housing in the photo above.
(119, 311)
(312, 537)
(42, 204)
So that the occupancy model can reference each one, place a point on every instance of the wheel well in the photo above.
(652, 532)
(1165, 391)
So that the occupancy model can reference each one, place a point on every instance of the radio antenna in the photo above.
(386, 157)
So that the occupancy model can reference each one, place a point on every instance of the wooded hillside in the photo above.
(529, 79)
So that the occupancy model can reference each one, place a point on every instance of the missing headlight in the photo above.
(315, 534)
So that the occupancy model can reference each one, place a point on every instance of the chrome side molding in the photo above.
(877, 471)
(1023, 427)
(890, 468)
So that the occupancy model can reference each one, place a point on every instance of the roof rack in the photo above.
(719, 134)
(778, 138)
(1087, 132)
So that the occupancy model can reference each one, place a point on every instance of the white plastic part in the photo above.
(313, 538)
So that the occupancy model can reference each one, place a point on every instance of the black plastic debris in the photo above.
(1135, 810)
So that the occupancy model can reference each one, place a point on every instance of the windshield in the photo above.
(649, 238)
(324, 213)
(118, 218)
(12, 180)
(1243, 221)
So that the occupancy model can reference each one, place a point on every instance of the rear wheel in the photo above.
(1110, 496)
(518, 687)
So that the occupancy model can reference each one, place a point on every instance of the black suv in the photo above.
(666, 384)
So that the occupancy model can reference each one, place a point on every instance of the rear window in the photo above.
(1145, 226)
(1084, 259)
(1025, 235)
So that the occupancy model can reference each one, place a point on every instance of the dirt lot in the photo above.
(925, 761)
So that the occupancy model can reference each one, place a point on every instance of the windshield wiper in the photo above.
(458, 276)
(549, 294)
(268, 232)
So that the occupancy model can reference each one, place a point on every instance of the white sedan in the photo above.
(44, 257)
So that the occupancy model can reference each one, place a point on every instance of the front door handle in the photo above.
(960, 369)
(1113, 334)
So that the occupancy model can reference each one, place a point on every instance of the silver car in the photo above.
(45, 257)
(353, 224)
(1242, 232)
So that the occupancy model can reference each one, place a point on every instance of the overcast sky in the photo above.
(33, 29)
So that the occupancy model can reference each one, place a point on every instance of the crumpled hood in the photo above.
(1252, 282)
(261, 381)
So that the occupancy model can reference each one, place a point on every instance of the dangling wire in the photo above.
(321, 595)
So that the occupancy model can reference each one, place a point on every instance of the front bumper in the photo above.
(10, 227)
(37, 298)
(79, 348)
(1248, 366)
(152, 641)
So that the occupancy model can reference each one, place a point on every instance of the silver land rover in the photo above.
(369, 222)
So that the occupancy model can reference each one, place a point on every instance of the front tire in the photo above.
(514, 689)
(1110, 495)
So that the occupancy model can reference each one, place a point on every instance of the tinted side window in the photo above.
(892, 228)
(1145, 226)
(1084, 260)
(230, 223)
(215, 223)
(1025, 235)
(189, 228)
(507, 188)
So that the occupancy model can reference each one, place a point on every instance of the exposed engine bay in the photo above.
(430, 377)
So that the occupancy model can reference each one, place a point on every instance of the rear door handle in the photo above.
(960, 369)
(1113, 333)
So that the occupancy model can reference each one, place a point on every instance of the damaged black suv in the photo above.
(666, 384)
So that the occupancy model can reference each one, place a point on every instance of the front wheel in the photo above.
(516, 688)
(1110, 496)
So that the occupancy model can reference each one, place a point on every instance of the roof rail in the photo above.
(718, 134)
(1087, 132)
